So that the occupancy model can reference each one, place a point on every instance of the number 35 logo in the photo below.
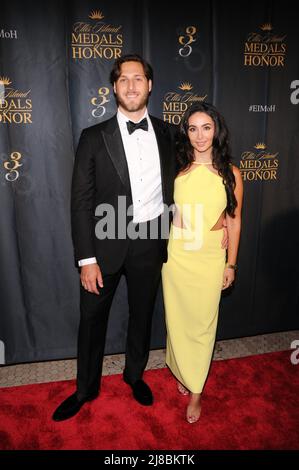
(186, 40)
(99, 101)
(11, 166)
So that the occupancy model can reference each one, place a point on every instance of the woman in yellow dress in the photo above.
(208, 189)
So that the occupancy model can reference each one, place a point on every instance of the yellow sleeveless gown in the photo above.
(192, 277)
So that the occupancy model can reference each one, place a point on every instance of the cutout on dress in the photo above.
(218, 225)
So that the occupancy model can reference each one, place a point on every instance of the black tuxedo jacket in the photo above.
(100, 175)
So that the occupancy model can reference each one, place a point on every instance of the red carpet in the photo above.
(249, 403)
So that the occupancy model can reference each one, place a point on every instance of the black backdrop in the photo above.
(55, 60)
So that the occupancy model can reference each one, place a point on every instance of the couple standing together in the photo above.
(138, 157)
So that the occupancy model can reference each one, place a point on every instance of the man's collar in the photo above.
(123, 119)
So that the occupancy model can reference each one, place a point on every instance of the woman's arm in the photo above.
(234, 230)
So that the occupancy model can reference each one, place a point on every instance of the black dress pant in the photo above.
(142, 268)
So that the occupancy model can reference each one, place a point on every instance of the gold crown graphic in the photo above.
(260, 146)
(5, 81)
(185, 86)
(96, 15)
(266, 27)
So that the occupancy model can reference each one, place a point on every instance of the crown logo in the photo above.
(266, 27)
(96, 15)
(5, 81)
(260, 146)
(186, 86)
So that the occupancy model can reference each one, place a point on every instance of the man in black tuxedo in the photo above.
(128, 158)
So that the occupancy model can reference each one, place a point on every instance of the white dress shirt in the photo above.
(142, 154)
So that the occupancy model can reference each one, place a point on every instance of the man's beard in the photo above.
(132, 106)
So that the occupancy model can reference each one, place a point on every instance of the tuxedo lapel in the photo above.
(114, 145)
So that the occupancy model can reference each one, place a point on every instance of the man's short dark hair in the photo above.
(116, 70)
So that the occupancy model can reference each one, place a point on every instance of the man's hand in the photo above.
(90, 276)
(224, 242)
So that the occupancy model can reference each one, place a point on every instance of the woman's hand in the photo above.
(228, 278)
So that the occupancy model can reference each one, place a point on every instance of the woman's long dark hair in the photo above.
(221, 157)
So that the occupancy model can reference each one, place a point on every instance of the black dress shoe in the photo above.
(70, 407)
(141, 392)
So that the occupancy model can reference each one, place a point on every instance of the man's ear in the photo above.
(150, 85)
(114, 88)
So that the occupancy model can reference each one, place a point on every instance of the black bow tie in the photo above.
(132, 126)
